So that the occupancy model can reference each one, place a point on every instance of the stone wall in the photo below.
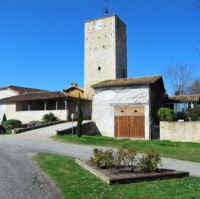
(105, 51)
(180, 131)
(88, 128)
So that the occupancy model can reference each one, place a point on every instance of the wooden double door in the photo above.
(129, 122)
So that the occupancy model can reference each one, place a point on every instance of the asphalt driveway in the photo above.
(22, 179)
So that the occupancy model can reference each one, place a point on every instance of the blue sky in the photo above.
(42, 41)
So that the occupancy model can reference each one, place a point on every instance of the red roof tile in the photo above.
(128, 81)
(184, 98)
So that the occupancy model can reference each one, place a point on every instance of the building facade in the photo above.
(126, 108)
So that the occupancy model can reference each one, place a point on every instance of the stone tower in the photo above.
(105, 51)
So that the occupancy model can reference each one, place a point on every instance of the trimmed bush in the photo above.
(38, 123)
(12, 123)
(49, 117)
(32, 123)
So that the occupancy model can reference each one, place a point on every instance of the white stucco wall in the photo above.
(104, 101)
(6, 93)
(27, 116)
(3, 94)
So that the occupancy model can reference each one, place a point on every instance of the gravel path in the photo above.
(22, 179)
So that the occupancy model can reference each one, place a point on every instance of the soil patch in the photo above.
(129, 175)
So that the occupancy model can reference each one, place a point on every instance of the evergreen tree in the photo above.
(4, 118)
(80, 117)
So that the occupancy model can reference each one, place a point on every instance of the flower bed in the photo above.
(126, 175)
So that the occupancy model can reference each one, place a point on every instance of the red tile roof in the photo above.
(184, 98)
(38, 96)
(34, 96)
(129, 81)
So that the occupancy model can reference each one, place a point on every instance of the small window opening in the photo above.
(99, 68)
(123, 73)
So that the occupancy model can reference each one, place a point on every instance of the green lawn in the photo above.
(179, 150)
(75, 182)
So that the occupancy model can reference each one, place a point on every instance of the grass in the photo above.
(75, 182)
(180, 150)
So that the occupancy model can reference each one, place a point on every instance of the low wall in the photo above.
(20, 130)
(87, 127)
(180, 131)
(27, 116)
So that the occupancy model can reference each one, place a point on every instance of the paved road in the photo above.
(22, 179)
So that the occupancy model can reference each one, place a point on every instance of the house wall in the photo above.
(3, 94)
(180, 131)
(105, 99)
(87, 110)
(27, 116)
(74, 92)
(6, 93)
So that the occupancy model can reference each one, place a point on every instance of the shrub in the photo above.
(165, 114)
(49, 117)
(12, 123)
(32, 123)
(2, 129)
(102, 158)
(150, 161)
(125, 157)
(39, 123)
(110, 159)
(193, 114)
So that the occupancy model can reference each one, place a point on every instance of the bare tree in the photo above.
(179, 77)
(194, 88)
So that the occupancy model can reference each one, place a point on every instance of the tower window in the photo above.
(123, 73)
(99, 68)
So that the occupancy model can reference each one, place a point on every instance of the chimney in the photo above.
(74, 84)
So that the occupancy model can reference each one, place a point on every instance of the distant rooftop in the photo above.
(184, 98)
(20, 90)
